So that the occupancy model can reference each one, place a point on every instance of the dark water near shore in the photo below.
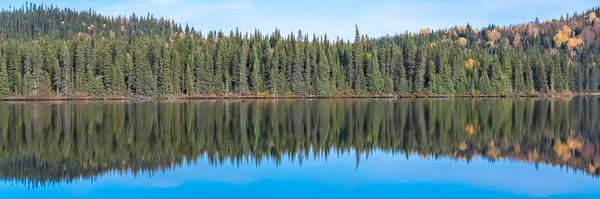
(427, 148)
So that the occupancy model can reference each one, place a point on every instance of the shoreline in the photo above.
(274, 97)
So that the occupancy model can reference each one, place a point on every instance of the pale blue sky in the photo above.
(335, 17)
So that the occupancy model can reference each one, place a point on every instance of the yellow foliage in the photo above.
(516, 40)
(492, 151)
(491, 44)
(560, 38)
(574, 42)
(533, 155)
(470, 128)
(567, 31)
(592, 168)
(432, 44)
(471, 64)
(462, 146)
(574, 144)
(424, 31)
(83, 24)
(262, 94)
(591, 17)
(562, 150)
(492, 35)
(462, 41)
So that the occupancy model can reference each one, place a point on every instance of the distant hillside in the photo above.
(61, 53)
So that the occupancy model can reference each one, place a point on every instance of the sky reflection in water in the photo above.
(382, 174)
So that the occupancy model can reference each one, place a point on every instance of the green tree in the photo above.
(375, 81)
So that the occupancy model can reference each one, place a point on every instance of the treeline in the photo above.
(49, 143)
(46, 51)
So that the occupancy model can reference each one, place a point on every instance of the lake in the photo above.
(352, 148)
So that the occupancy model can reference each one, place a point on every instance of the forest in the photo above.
(51, 52)
(64, 142)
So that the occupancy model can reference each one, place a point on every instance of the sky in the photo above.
(334, 17)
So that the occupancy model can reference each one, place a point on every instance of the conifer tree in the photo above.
(375, 81)
(66, 68)
(4, 86)
(323, 86)
(256, 81)
(518, 78)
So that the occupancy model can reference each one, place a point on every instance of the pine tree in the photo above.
(188, 77)
(433, 85)
(529, 82)
(176, 71)
(80, 65)
(485, 84)
(446, 85)
(459, 75)
(419, 72)
(256, 81)
(518, 78)
(129, 73)
(144, 82)
(541, 83)
(4, 85)
(66, 65)
(298, 70)
(374, 78)
(410, 57)
(217, 75)
(14, 69)
(323, 86)
(277, 79)
(56, 75)
(241, 79)
(165, 76)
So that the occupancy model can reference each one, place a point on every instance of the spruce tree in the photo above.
(66, 65)
(256, 81)
(4, 86)
(176, 71)
(144, 82)
(323, 86)
(518, 78)
(418, 83)
(188, 77)
(375, 81)
(485, 86)
(298, 70)
(165, 76)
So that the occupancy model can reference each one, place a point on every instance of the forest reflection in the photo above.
(46, 143)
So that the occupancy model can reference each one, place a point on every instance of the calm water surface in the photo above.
(463, 148)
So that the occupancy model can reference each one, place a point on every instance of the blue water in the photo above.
(381, 175)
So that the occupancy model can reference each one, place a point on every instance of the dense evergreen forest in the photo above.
(50, 142)
(47, 51)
